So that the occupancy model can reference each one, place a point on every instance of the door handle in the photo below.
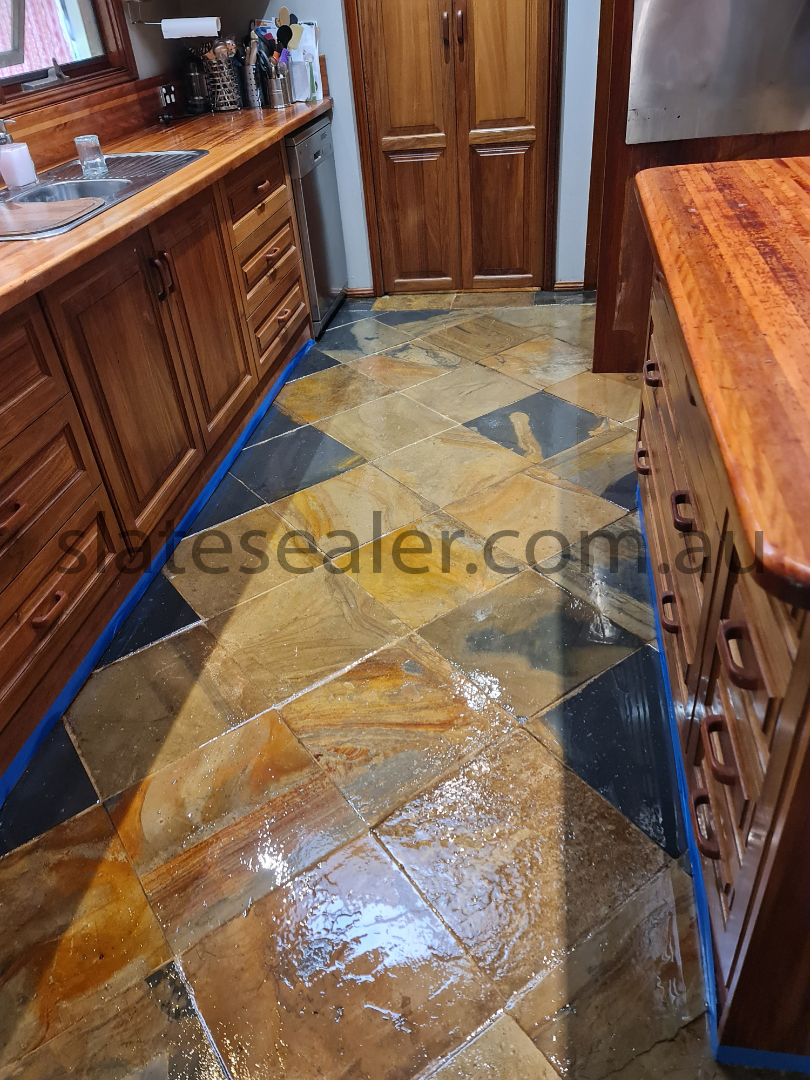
(45, 622)
(14, 520)
(460, 26)
(445, 28)
(161, 264)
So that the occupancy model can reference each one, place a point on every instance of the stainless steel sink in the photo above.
(129, 174)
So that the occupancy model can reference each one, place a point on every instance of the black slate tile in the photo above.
(575, 296)
(160, 611)
(538, 420)
(351, 311)
(313, 362)
(614, 735)
(52, 789)
(229, 500)
(623, 491)
(281, 467)
(274, 422)
(404, 318)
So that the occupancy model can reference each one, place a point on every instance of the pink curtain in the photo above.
(44, 36)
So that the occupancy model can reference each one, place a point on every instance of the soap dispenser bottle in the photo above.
(16, 165)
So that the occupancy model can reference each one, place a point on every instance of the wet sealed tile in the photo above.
(350, 510)
(283, 466)
(416, 321)
(394, 724)
(493, 299)
(415, 302)
(385, 425)
(225, 825)
(476, 338)
(296, 636)
(451, 465)
(519, 857)
(616, 396)
(544, 517)
(276, 421)
(344, 971)
(220, 568)
(351, 311)
(159, 613)
(602, 464)
(330, 392)
(633, 984)
(447, 565)
(313, 362)
(408, 365)
(468, 391)
(572, 322)
(501, 1051)
(150, 1031)
(540, 361)
(76, 930)
(360, 339)
(526, 643)
(614, 734)
(53, 788)
(538, 426)
(134, 717)
(609, 570)
(230, 499)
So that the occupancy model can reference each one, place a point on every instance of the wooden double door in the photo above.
(458, 109)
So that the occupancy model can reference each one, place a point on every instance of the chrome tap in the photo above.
(5, 136)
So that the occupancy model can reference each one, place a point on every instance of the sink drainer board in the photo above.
(139, 171)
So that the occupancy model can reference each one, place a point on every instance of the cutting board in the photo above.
(20, 218)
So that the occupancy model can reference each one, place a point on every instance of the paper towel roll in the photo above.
(184, 28)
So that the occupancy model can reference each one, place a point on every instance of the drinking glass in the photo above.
(91, 157)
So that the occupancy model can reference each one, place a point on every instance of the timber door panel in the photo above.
(408, 59)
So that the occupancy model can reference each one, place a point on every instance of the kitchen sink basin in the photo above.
(129, 174)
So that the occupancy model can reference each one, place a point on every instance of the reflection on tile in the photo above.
(468, 391)
(227, 824)
(149, 709)
(519, 857)
(283, 466)
(76, 930)
(330, 392)
(452, 464)
(150, 1032)
(455, 563)
(416, 322)
(493, 299)
(615, 735)
(571, 323)
(161, 611)
(276, 421)
(52, 789)
(351, 311)
(540, 361)
(230, 499)
(394, 724)
(476, 338)
(346, 964)
(603, 465)
(502, 1051)
(632, 984)
(435, 301)
(527, 642)
(360, 339)
(409, 364)
(616, 396)
(609, 570)
(385, 425)
(311, 364)
(545, 516)
(294, 637)
(349, 510)
(538, 426)
(220, 568)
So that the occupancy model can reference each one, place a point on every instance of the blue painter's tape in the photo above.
(87, 666)
(726, 1055)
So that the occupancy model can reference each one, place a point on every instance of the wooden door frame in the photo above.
(552, 138)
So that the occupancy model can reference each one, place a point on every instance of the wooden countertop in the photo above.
(26, 266)
(733, 242)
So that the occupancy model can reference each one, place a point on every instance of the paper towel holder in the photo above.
(135, 13)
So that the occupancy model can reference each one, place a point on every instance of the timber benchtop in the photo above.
(733, 242)
(27, 266)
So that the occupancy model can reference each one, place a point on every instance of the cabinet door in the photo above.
(201, 293)
(120, 350)
(31, 378)
(408, 61)
(502, 105)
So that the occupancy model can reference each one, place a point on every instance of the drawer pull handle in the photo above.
(672, 626)
(460, 27)
(14, 520)
(723, 774)
(263, 187)
(681, 523)
(45, 622)
(163, 267)
(272, 255)
(445, 28)
(707, 846)
(284, 316)
(641, 457)
(652, 376)
(745, 678)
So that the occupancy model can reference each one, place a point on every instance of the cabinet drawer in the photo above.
(55, 592)
(31, 376)
(46, 473)
(279, 315)
(274, 260)
(256, 190)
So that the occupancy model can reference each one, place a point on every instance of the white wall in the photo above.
(579, 96)
(153, 55)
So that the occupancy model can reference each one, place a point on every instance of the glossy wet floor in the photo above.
(374, 782)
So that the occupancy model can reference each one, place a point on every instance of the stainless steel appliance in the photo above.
(311, 157)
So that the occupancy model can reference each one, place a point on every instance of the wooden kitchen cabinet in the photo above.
(31, 377)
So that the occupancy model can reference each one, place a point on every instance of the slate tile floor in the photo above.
(393, 798)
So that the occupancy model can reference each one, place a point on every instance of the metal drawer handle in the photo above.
(642, 456)
(652, 376)
(745, 678)
(445, 28)
(723, 774)
(681, 523)
(14, 520)
(263, 187)
(707, 847)
(672, 626)
(284, 316)
(45, 622)
(272, 255)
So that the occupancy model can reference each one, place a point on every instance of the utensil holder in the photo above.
(223, 85)
(252, 87)
(275, 95)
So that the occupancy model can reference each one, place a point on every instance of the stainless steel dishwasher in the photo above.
(312, 170)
